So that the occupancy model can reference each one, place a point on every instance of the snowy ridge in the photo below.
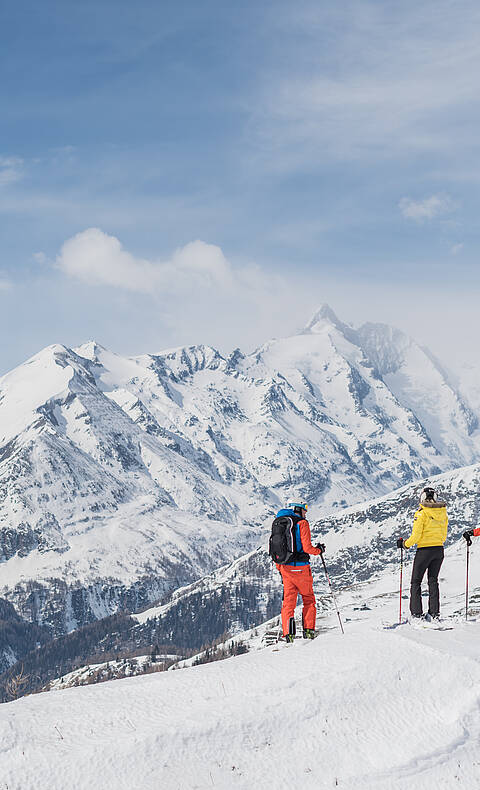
(354, 705)
(112, 670)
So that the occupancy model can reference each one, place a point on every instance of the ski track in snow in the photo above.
(383, 709)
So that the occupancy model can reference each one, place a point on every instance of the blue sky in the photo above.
(178, 172)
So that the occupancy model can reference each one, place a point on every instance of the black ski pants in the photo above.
(428, 559)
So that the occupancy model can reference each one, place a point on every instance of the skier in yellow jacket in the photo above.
(429, 533)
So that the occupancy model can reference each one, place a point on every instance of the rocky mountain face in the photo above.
(124, 479)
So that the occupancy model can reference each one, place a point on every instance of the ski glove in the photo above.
(400, 543)
(468, 536)
(320, 546)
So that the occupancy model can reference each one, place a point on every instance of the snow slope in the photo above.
(388, 709)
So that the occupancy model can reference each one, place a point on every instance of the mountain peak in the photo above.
(322, 315)
(90, 350)
(325, 316)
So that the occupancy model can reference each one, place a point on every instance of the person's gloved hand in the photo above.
(320, 546)
(400, 543)
(468, 535)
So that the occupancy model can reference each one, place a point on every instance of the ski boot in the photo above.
(308, 633)
(290, 638)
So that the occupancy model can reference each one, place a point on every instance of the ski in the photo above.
(272, 637)
(425, 625)
(422, 625)
(393, 626)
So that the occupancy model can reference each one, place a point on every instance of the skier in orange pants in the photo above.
(297, 575)
(295, 581)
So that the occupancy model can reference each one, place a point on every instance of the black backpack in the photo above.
(281, 545)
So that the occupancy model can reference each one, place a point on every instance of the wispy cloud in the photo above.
(40, 258)
(385, 83)
(457, 248)
(11, 169)
(427, 209)
(5, 283)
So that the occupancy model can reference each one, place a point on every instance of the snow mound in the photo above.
(375, 708)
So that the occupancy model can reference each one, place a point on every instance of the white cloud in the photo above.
(427, 209)
(99, 259)
(197, 287)
(457, 248)
(11, 169)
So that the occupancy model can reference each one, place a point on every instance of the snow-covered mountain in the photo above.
(124, 478)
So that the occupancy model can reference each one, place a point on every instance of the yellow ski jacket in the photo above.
(429, 525)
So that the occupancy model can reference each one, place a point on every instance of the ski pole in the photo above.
(466, 581)
(333, 594)
(401, 582)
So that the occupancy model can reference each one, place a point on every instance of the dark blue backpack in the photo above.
(281, 546)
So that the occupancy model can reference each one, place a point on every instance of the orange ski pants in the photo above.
(295, 581)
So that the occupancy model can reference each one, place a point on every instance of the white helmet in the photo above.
(297, 506)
